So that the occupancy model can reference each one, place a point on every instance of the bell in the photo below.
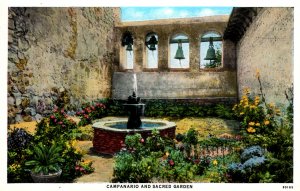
(211, 53)
(179, 53)
(129, 47)
(151, 42)
(152, 47)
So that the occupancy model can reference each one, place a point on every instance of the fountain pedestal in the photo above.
(135, 113)
(135, 109)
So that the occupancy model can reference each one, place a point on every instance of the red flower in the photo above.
(93, 108)
(142, 140)
(77, 167)
(60, 122)
(81, 169)
(77, 113)
(52, 117)
(171, 162)
(196, 161)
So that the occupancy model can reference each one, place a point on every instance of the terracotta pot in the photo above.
(49, 178)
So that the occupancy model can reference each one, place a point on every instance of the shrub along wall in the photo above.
(174, 108)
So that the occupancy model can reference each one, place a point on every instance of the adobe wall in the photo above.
(267, 47)
(167, 83)
(58, 56)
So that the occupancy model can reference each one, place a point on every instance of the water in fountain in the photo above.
(135, 84)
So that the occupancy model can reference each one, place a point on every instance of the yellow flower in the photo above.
(251, 130)
(271, 105)
(244, 98)
(257, 73)
(267, 122)
(215, 162)
(277, 111)
(87, 161)
(242, 113)
(257, 124)
(246, 90)
(251, 123)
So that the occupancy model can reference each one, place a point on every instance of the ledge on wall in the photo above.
(239, 20)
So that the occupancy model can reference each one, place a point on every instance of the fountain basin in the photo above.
(109, 135)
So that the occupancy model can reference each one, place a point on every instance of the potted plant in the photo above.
(45, 163)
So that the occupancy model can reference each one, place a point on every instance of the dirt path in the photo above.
(103, 165)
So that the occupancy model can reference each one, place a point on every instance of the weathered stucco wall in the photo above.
(165, 82)
(176, 85)
(267, 47)
(58, 56)
(193, 28)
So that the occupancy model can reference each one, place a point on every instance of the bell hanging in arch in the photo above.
(179, 53)
(152, 47)
(151, 43)
(211, 53)
(129, 47)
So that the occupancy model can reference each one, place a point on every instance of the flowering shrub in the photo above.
(250, 152)
(202, 164)
(265, 126)
(91, 112)
(251, 168)
(18, 142)
(152, 160)
(84, 167)
(62, 130)
(57, 127)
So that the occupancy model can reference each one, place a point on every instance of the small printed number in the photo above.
(287, 187)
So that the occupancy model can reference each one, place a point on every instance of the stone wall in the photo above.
(58, 56)
(194, 28)
(175, 85)
(267, 47)
(169, 83)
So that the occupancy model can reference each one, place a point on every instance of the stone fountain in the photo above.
(109, 135)
(135, 109)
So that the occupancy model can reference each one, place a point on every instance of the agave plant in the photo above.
(46, 159)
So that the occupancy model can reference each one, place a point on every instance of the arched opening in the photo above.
(127, 49)
(179, 51)
(151, 42)
(211, 50)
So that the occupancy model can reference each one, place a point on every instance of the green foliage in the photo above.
(71, 157)
(91, 112)
(265, 126)
(84, 167)
(215, 63)
(191, 137)
(18, 142)
(63, 131)
(252, 167)
(152, 160)
(173, 108)
(57, 128)
(46, 159)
